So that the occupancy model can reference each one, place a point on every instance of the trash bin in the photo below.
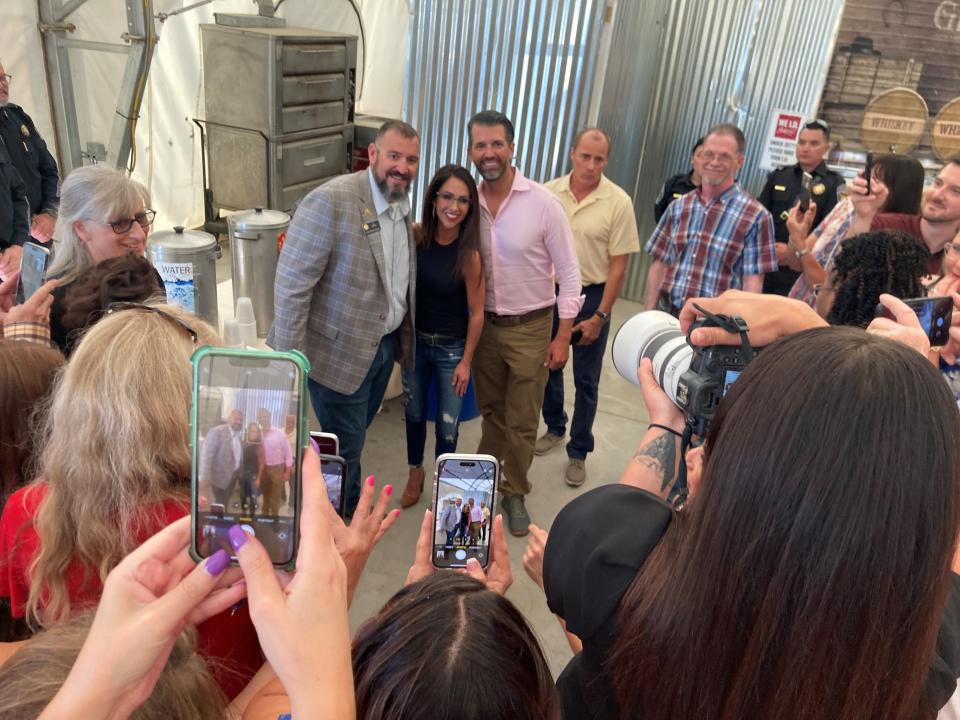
(256, 237)
(187, 263)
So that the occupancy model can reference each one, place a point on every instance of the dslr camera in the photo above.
(695, 378)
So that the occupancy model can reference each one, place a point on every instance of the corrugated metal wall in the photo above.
(718, 61)
(531, 59)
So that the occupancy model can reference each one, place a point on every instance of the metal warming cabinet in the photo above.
(279, 112)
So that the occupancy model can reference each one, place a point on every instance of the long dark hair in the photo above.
(27, 374)
(870, 264)
(446, 647)
(810, 575)
(469, 236)
(903, 176)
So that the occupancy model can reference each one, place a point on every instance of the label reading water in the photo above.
(178, 282)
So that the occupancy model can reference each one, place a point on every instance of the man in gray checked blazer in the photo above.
(346, 289)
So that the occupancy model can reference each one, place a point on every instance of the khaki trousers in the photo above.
(271, 486)
(509, 377)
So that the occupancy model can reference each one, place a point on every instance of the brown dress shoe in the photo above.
(411, 493)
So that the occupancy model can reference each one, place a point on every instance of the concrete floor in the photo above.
(620, 422)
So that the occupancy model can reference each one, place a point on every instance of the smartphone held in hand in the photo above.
(33, 270)
(464, 494)
(248, 431)
(325, 443)
(934, 314)
(334, 469)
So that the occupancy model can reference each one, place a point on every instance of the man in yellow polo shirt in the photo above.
(605, 230)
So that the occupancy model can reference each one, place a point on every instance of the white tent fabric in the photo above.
(168, 146)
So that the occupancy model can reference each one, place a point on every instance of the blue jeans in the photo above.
(587, 363)
(349, 416)
(437, 357)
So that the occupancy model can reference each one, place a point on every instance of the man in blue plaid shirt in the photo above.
(714, 238)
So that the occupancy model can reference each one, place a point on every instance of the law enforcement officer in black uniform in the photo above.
(781, 193)
(679, 185)
(24, 147)
(14, 216)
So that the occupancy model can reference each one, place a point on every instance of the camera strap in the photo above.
(678, 494)
(735, 325)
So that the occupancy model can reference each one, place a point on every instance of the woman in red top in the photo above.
(115, 469)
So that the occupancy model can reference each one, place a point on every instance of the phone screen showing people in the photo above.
(934, 315)
(246, 460)
(334, 471)
(463, 509)
(33, 269)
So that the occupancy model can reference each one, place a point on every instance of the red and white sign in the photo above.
(780, 147)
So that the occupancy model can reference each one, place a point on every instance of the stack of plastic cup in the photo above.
(231, 334)
(246, 322)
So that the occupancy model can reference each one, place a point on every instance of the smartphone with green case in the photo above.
(248, 430)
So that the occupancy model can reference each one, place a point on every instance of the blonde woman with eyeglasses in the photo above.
(103, 214)
(115, 469)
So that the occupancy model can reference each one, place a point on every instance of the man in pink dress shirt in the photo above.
(277, 463)
(527, 245)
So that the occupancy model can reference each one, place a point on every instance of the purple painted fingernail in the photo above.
(217, 562)
(238, 538)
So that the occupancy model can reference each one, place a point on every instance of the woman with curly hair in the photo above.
(867, 266)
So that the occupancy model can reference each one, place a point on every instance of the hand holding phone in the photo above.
(498, 575)
(463, 500)
(33, 270)
(934, 314)
(247, 425)
(302, 624)
(35, 309)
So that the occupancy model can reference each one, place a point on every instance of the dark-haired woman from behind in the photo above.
(126, 278)
(449, 315)
(808, 574)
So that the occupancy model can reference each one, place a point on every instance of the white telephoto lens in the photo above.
(656, 335)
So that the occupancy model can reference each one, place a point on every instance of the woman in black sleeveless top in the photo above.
(449, 314)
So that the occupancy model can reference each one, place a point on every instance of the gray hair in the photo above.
(92, 192)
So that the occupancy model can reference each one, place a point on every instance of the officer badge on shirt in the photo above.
(24, 131)
(818, 189)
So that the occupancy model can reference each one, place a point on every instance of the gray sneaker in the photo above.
(576, 473)
(517, 519)
(547, 442)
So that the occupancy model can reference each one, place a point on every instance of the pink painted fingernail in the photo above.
(396, 512)
(217, 562)
(473, 564)
(388, 489)
(371, 481)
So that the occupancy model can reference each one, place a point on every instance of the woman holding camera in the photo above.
(808, 575)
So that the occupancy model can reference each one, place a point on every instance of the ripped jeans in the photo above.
(437, 357)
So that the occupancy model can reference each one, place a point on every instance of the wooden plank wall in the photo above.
(884, 44)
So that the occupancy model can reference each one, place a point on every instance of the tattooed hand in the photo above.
(659, 457)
